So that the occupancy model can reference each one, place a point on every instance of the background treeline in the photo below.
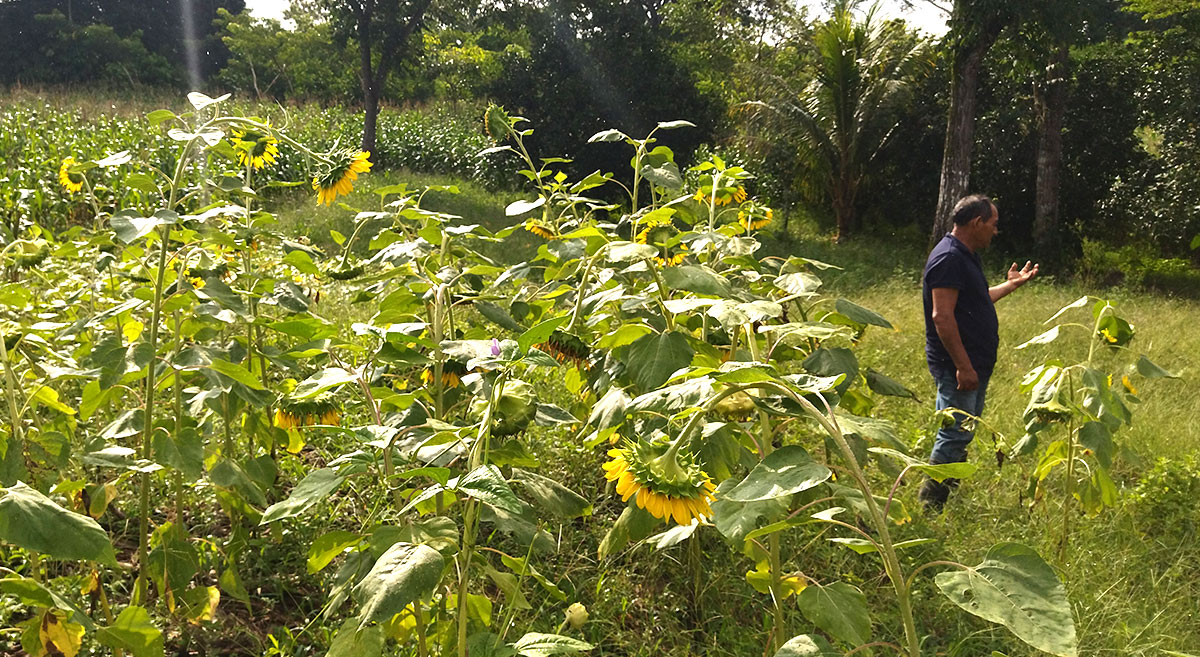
(1085, 116)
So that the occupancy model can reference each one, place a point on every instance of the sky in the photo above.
(923, 17)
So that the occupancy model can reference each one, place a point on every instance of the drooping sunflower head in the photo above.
(338, 178)
(754, 218)
(541, 229)
(30, 253)
(566, 348)
(497, 123)
(669, 485)
(452, 373)
(655, 234)
(672, 257)
(296, 413)
(71, 181)
(255, 148)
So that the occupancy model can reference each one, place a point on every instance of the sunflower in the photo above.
(540, 229)
(338, 178)
(255, 148)
(739, 195)
(752, 221)
(672, 258)
(669, 485)
(452, 374)
(566, 348)
(72, 182)
(293, 414)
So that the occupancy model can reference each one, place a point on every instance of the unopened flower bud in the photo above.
(577, 615)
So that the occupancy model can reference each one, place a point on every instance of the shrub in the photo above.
(1165, 498)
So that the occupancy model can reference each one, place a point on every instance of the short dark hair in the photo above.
(970, 207)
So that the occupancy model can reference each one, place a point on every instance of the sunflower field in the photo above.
(223, 440)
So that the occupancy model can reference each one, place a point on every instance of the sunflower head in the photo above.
(541, 229)
(566, 348)
(337, 178)
(497, 123)
(31, 253)
(71, 181)
(672, 257)
(755, 219)
(452, 374)
(255, 148)
(296, 413)
(667, 483)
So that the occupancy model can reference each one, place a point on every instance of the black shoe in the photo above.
(933, 494)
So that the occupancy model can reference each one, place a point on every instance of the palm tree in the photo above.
(842, 119)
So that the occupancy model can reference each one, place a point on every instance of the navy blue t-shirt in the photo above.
(951, 264)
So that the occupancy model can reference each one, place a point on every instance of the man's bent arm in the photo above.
(1014, 280)
(944, 301)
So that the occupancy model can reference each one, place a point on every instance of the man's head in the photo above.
(975, 221)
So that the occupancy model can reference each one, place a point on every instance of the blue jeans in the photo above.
(950, 446)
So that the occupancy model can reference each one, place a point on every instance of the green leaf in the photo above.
(237, 373)
(538, 334)
(802, 284)
(1044, 338)
(672, 125)
(133, 631)
(1017, 589)
(34, 594)
(939, 472)
(863, 546)
(629, 252)
(328, 546)
(698, 279)
(861, 315)
(785, 471)
(807, 645)
(552, 496)
(158, 116)
(732, 314)
(302, 262)
(404, 573)
(634, 524)
(885, 385)
(33, 521)
(521, 207)
(536, 644)
(840, 609)
(354, 641)
(609, 135)
(1097, 437)
(652, 359)
(326, 379)
(130, 227)
(487, 485)
(48, 396)
(314, 488)
(1148, 369)
(498, 315)
(1078, 303)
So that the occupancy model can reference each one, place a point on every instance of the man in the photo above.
(961, 328)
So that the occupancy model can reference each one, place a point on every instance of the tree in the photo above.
(842, 119)
(384, 31)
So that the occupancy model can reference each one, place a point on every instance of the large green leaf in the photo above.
(33, 521)
(807, 645)
(939, 472)
(551, 495)
(698, 279)
(129, 227)
(353, 640)
(1148, 369)
(652, 359)
(861, 315)
(312, 489)
(133, 631)
(1017, 589)
(732, 314)
(536, 644)
(326, 379)
(840, 609)
(237, 373)
(785, 471)
(540, 333)
(404, 573)
(487, 485)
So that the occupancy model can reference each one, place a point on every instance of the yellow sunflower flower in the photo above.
(751, 222)
(339, 178)
(739, 194)
(669, 486)
(541, 230)
(72, 182)
(286, 420)
(257, 149)
(1128, 385)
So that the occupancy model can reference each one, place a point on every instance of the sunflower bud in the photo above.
(577, 615)
(497, 123)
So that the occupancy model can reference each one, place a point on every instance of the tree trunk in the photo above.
(960, 128)
(368, 78)
(1051, 100)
